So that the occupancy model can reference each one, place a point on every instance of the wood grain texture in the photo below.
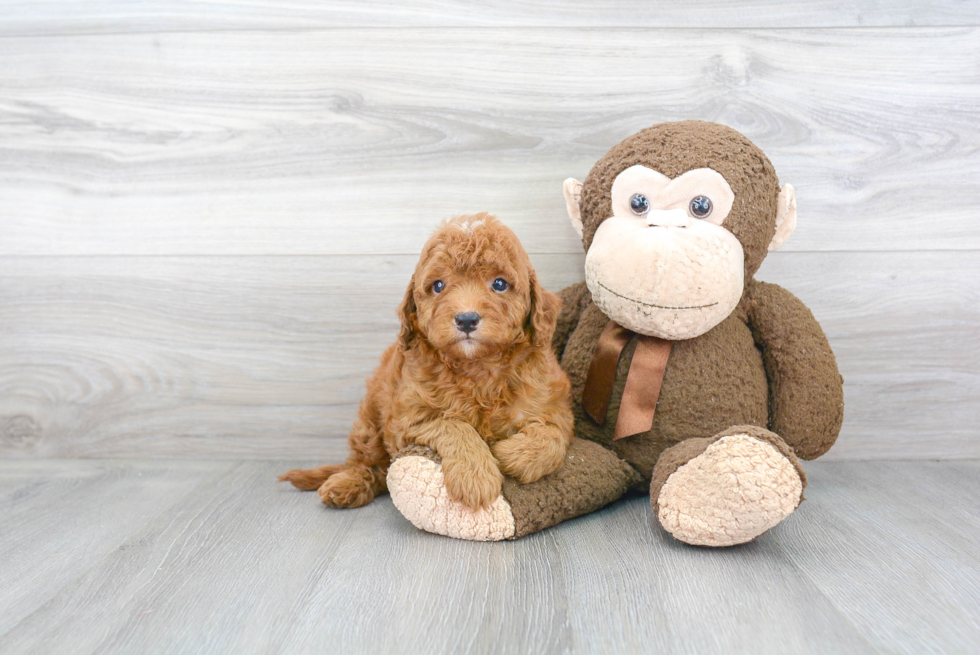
(266, 356)
(903, 329)
(185, 357)
(20, 17)
(910, 532)
(354, 141)
(59, 518)
(869, 564)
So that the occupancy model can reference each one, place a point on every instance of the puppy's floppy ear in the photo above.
(408, 313)
(543, 315)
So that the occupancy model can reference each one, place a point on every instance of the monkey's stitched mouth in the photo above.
(650, 304)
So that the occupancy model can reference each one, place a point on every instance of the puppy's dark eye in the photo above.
(500, 285)
(438, 286)
(639, 204)
(701, 207)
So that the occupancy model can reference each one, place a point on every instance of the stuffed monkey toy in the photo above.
(690, 379)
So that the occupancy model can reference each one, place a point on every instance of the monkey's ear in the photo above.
(573, 194)
(785, 217)
(407, 312)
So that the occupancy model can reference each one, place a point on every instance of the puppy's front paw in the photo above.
(528, 459)
(474, 483)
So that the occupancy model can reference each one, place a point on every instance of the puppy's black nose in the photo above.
(467, 322)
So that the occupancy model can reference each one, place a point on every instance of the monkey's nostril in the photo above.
(467, 322)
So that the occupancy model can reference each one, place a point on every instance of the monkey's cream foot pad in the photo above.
(590, 477)
(419, 492)
(739, 487)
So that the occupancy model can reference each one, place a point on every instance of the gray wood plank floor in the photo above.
(167, 556)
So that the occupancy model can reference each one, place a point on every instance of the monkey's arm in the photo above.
(574, 300)
(806, 397)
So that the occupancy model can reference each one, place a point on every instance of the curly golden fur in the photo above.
(492, 401)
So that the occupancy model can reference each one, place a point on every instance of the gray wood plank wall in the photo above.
(102, 16)
(208, 211)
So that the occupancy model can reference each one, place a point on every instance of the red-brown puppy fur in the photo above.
(489, 402)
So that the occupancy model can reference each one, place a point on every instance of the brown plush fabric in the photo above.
(591, 477)
(712, 382)
(769, 350)
(416, 450)
(574, 300)
(806, 399)
(675, 148)
(679, 455)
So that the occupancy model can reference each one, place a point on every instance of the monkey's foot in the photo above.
(418, 489)
(728, 489)
(590, 478)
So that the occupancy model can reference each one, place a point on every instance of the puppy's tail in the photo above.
(310, 479)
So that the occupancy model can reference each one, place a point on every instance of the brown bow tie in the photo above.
(643, 381)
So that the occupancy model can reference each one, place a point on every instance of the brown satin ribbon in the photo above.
(602, 371)
(643, 381)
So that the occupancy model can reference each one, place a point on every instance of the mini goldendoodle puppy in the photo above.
(472, 375)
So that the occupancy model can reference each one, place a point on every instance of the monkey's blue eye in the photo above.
(701, 207)
(500, 285)
(438, 286)
(639, 204)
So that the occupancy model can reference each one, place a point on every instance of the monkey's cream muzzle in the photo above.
(665, 274)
